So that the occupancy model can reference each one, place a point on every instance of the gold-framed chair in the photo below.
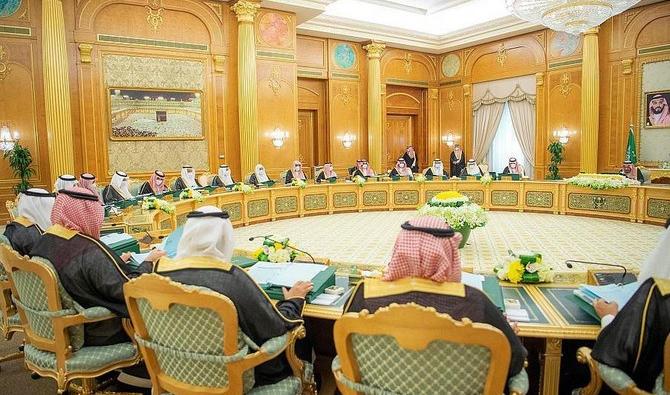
(12, 209)
(618, 380)
(191, 342)
(10, 323)
(205, 179)
(282, 177)
(317, 171)
(411, 349)
(54, 327)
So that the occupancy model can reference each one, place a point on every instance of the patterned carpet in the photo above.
(366, 239)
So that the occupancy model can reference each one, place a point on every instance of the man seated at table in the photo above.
(426, 250)
(259, 177)
(34, 218)
(295, 173)
(471, 169)
(327, 173)
(89, 181)
(203, 259)
(401, 170)
(89, 270)
(65, 181)
(186, 179)
(155, 185)
(363, 169)
(437, 170)
(117, 190)
(631, 171)
(632, 339)
(223, 178)
(513, 167)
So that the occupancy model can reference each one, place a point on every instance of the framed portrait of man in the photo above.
(657, 109)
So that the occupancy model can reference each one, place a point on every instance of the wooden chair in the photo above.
(12, 208)
(616, 379)
(205, 179)
(282, 176)
(191, 343)
(10, 323)
(54, 326)
(410, 349)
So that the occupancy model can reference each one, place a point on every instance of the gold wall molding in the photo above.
(344, 94)
(564, 87)
(627, 66)
(407, 62)
(219, 63)
(4, 63)
(539, 79)
(501, 57)
(85, 50)
(154, 18)
(245, 10)
(590, 103)
(275, 80)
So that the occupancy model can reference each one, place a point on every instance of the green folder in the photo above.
(243, 261)
(584, 305)
(130, 245)
(321, 281)
(492, 289)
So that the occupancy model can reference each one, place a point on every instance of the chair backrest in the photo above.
(282, 176)
(248, 178)
(410, 349)
(206, 179)
(12, 208)
(189, 337)
(134, 186)
(7, 308)
(317, 170)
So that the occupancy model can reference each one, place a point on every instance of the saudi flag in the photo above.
(631, 153)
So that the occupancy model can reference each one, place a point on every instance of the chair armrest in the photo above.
(347, 386)
(97, 313)
(518, 385)
(296, 364)
(595, 382)
(265, 352)
(658, 388)
(618, 380)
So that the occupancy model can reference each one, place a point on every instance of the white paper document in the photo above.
(610, 293)
(517, 315)
(139, 258)
(473, 280)
(284, 274)
(112, 238)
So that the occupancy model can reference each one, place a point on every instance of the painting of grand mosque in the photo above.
(155, 114)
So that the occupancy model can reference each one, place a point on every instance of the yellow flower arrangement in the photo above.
(515, 272)
(448, 195)
(525, 268)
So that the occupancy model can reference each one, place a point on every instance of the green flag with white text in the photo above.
(631, 153)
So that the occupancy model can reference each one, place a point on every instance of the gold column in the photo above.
(57, 90)
(590, 102)
(434, 138)
(247, 89)
(375, 137)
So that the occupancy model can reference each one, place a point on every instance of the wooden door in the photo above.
(307, 135)
(398, 136)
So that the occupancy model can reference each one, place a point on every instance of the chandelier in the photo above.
(570, 16)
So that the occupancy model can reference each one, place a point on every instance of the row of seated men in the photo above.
(65, 229)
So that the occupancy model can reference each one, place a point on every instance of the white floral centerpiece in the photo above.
(153, 203)
(360, 181)
(299, 183)
(190, 193)
(601, 181)
(525, 268)
(244, 188)
(275, 251)
(457, 210)
(420, 178)
(486, 179)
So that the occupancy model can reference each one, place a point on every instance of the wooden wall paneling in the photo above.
(451, 118)
(409, 68)
(312, 57)
(563, 110)
(312, 95)
(231, 128)
(411, 101)
(541, 137)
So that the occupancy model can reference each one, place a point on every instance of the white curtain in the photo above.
(505, 145)
(486, 121)
(523, 119)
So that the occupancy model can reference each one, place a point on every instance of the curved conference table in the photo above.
(550, 318)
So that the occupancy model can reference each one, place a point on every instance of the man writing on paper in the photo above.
(203, 259)
(425, 268)
(632, 340)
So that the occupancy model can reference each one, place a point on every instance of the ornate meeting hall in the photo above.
(379, 197)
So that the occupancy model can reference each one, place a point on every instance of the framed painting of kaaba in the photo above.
(657, 109)
(155, 114)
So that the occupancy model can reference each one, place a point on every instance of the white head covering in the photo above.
(297, 172)
(657, 263)
(207, 236)
(36, 205)
(224, 175)
(437, 168)
(328, 171)
(402, 168)
(261, 176)
(120, 183)
(515, 167)
(65, 181)
(473, 169)
(188, 177)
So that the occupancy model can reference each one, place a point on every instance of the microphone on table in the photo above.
(291, 247)
(623, 277)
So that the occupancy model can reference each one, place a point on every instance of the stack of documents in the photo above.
(473, 280)
(284, 274)
(620, 294)
(113, 238)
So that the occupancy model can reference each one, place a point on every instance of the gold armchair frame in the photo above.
(161, 293)
(10, 205)
(60, 346)
(7, 309)
(414, 327)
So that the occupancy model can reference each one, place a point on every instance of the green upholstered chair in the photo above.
(618, 380)
(410, 349)
(191, 343)
(53, 326)
(10, 323)
(134, 186)
(282, 177)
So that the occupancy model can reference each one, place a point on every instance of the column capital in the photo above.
(245, 10)
(592, 31)
(374, 49)
(539, 79)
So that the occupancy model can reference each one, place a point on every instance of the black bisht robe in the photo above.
(412, 163)
(180, 185)
(322, 177)
(111, 195)
(394, 173)
(145, 189)
(289, 178)
(253, 180)
(93, 275)
(23, 235)
(639, 176)
(429, 173)
(358, 172)
(256, 315)
(475, 305)
(633, 342)
(455, 165)
(216, 182)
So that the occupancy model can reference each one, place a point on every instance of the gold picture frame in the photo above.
(184, 106)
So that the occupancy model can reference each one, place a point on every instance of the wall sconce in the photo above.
(7, 139)
(448, 140)
(563, 135)
(278, 138)
(347, 140)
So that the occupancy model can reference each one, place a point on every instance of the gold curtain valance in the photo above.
(517, 95)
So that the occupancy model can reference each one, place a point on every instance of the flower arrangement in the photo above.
(275, 251)
(153, 203)
(601, 181)
(360, 181)
(299, 183)
(456, 209)
(486, 179)
(525, 268)
(420, 178)
(244, 188)
(189, 193)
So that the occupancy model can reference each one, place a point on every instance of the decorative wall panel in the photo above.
(375, 198)
(475, 196)
(658, 208)
(597, 202)
(504, 198)
(345, 199)
(286, 204)
(315, 202)
(539, 199)
(234, 211)
(406, 198)
(258, 208)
